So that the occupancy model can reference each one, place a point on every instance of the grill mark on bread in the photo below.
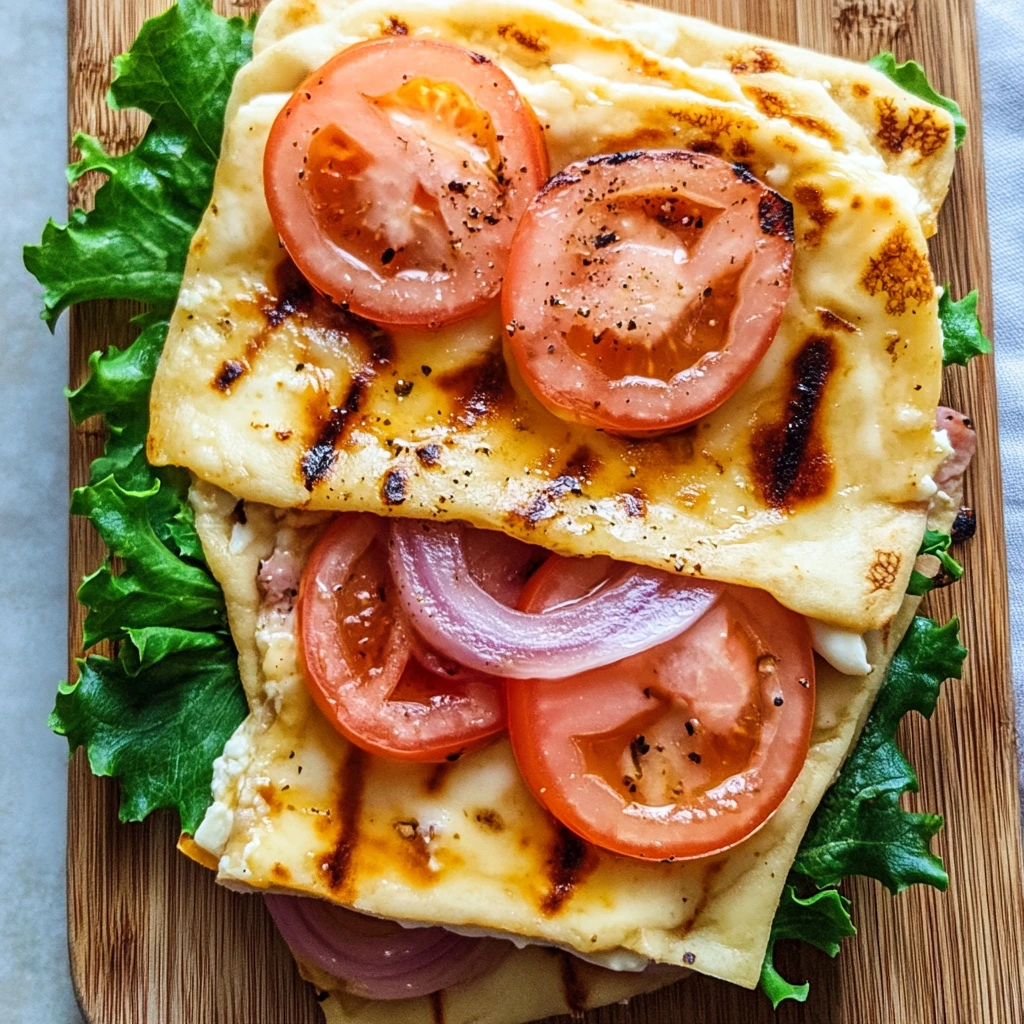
(901, 272)
(810, 198)
(525, 39)
(393, 490)
(395, 27)
(775, 215)
(569, 862)
(634, 503)
(919, 129)
(479, 389)
(789, 462)
(437, 1007)
(438, 777)
(757, 60)
(833, 322)
(489, 819)
(773, 105)
(429, 455)
(318, 461)
(336, 867)
(573, 989)
(710, 874)
(230, 370)
(571, 479)
(884, 570)
(293, 297)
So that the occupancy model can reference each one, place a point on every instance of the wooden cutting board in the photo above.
(154, 941)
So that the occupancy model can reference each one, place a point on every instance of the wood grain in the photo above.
(152, 939)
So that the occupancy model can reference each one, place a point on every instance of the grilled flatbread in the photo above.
(811, 481)
(814, 489)
(465, 844)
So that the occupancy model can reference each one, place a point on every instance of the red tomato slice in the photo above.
(358, 660)
(396, 175)
(681, 751)
(644, 288)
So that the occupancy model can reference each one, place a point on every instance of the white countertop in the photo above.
(34, 983)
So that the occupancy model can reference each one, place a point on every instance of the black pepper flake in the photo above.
(689, 728)
(605, 238)
(778, 702)
(455, 756)
(387, 255)
(403, 388)
(631, 326)
(426, 370)
(805, 683)
(457, 186)
(688, 958)
(694, 757)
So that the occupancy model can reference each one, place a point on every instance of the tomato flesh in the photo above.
(396, 175)
(644, 288)
(377, 687)
(681, 751)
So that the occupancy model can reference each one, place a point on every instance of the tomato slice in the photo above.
(681, 751)
(396, 175)
(644, 288)
(361, 666)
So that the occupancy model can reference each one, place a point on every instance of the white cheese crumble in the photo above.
(926, 487)
(942, 440)
(215, 828)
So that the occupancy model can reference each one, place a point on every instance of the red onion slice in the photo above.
(635, 610)
(380, 959)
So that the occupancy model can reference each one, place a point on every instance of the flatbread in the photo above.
(273, 394)
(466, 845)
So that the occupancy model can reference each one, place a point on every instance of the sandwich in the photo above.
(521, 488)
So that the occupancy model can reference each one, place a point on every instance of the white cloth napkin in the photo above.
(1000, 45)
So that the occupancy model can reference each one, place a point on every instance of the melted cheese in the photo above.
(465, 844)
(278, 397)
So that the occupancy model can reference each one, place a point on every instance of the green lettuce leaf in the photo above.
(155, 717)
(158, 713)
(154, 586)
(133, 243)
(935, 543)
(910, 77)
(821, 919)
(962, 334)
(859, 827)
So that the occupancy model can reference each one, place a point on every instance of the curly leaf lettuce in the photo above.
(859, 827)
(158, 713)
(821, 919)
(962, 334)
(910, 77)
(155, 717)
(133, 243)
(938, 544)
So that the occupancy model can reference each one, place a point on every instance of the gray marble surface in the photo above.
(34, 983)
